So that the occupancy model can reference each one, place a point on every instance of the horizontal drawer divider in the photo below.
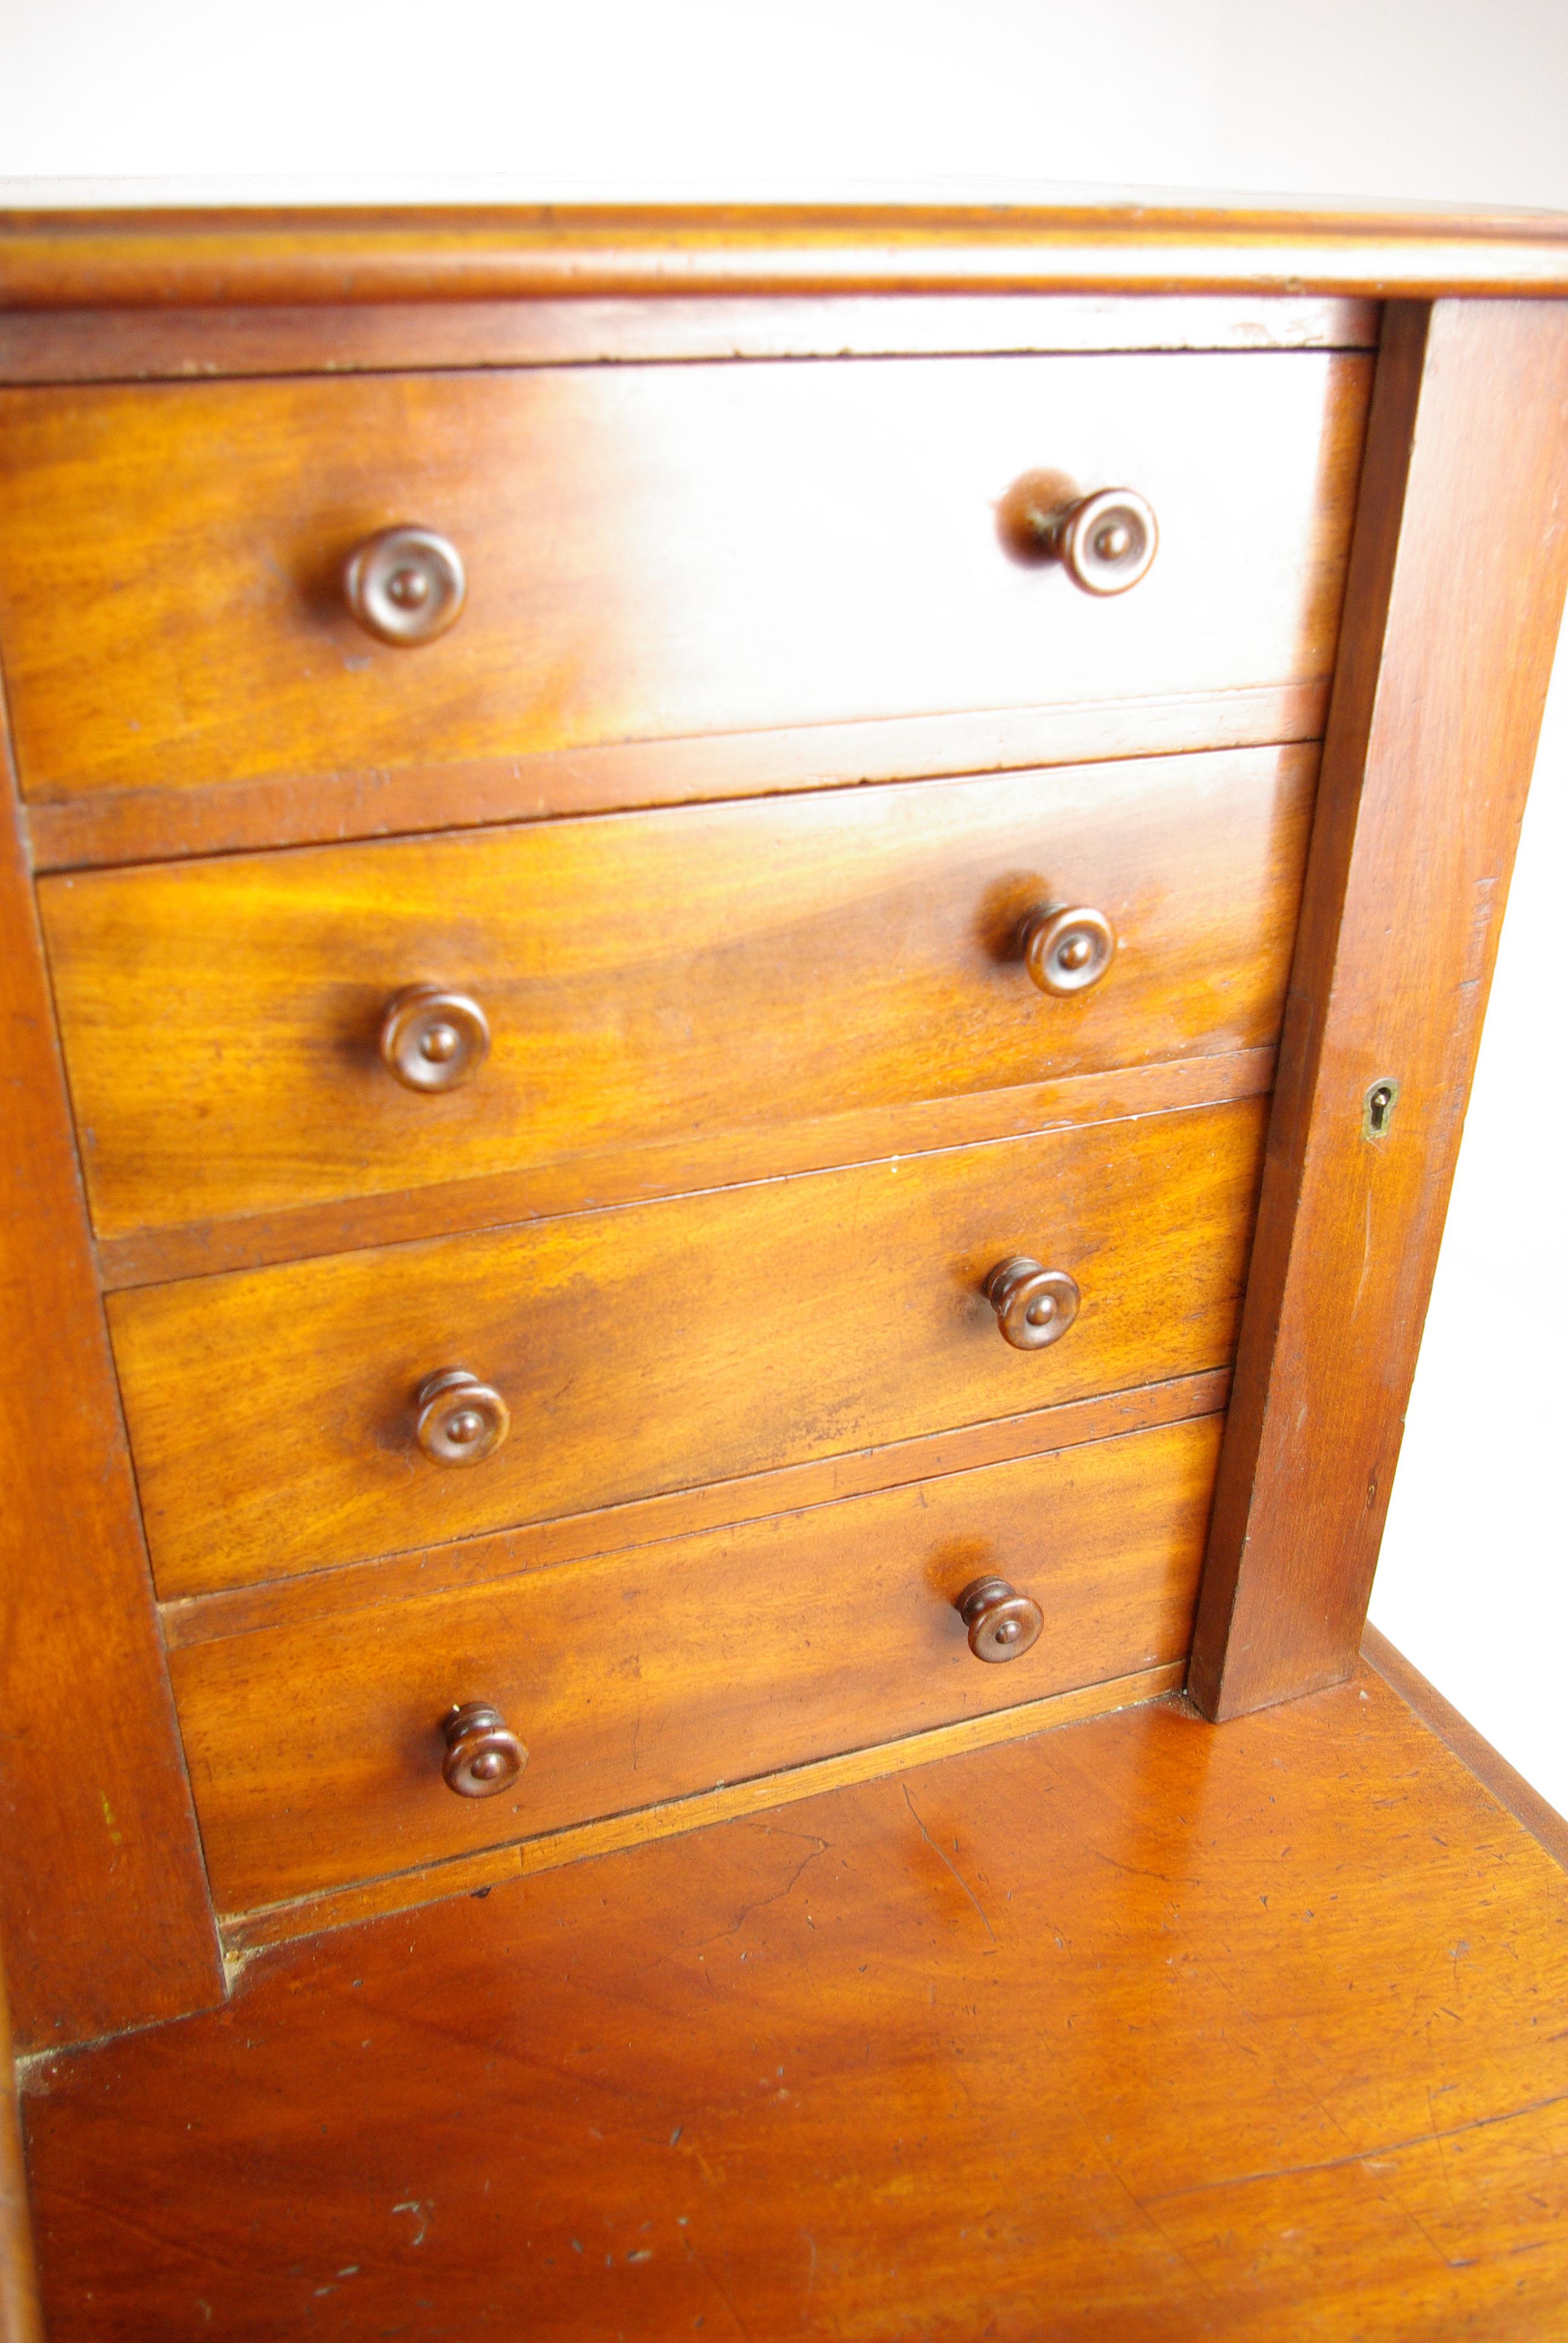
(248, 1933)
(716, 1161)
(142, 345)
(154, 825)
(795, 1488)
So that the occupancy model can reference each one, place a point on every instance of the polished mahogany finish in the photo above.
(793, 688)
(484, 1757)
(661, 1671)
(658, 981)
(104, 1917)
(697, 1339)
(59, 345)
(1003, 1624)
(640, 541)
(1157, 2032)
(1034, 1306)
(433, 1039)
(1460, 573)
(588, 255)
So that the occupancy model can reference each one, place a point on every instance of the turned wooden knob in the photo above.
(433, 1040)
(1105, 542)
(1034, 1306)
(461, 1421)
(1068, 951)
(482, 1756)
(405, 586)
(1001, 1621)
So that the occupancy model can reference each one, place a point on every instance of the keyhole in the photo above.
(1380, 1105)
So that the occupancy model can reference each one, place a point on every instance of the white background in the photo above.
(1462, 100)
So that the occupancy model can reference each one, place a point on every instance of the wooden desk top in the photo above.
(1135, 2030)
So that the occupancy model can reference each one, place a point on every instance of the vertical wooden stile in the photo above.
(20, 2320)
(104, 1911)
(1452, 606)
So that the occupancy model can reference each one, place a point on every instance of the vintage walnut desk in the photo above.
(742, 957)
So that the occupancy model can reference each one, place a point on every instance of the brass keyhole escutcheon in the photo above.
(1377, 1111)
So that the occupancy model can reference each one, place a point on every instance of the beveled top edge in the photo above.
(176, 258)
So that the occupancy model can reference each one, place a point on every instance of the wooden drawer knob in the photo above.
(1034, 1306)
(405, 586)
(482, 1756)
(1001, 1621)
(1068, 951)
(433, 1040)
(461, 1421)
(1105, 542)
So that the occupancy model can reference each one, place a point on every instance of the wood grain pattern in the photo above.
(1510, 1789)
(247, 1933)
(677, 1167)
(190, 257)
(1183, 2034)
(668, 1344)
(110, 344)
(651, 552)
(161, 825)
(103, 1913)
(1458, 579)
(637, 1678)
(686, 1512)
(658, 978)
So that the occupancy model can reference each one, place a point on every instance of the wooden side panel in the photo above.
(639, 1677)
(272, 1412)
(103, 1906)
(1456, 590)
(655, 978)
(651, 552)
(21, 2321)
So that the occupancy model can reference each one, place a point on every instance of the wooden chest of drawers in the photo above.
(689, 939)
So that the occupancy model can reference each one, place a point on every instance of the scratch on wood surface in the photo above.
(1367, 2156)
(817, 1846)
(958, 1875)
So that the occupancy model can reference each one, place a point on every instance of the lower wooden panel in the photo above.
(635, 1678)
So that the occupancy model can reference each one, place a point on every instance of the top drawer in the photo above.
(649, 552)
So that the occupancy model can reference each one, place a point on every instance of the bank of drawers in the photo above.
(649, 552)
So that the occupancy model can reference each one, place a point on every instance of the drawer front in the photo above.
(272, 1413)
(659, 976)
(650, 552)
(316, 1751)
